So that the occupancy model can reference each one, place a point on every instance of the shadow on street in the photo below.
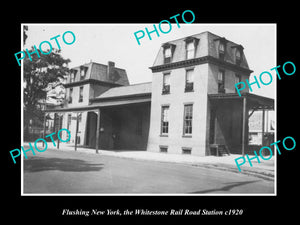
(37, 164)
(224, 188)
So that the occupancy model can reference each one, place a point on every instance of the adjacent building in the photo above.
(190, 107)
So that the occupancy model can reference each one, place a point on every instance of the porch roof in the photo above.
(125, 91)
(124, 95)
(257, 101)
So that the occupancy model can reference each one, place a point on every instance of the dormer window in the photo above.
(238, 57)
(190, 50)
(73, 75)
(83, 70)
(221, 51)
(168, 55)
(238, 52)
(190, 45)
(168, 52)
(221, 43)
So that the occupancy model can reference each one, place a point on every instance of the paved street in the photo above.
(66, 172)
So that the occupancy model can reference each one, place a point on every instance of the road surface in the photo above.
(65, 172)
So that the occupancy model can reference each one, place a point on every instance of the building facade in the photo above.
(191, 106)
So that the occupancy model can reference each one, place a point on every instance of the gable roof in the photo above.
(126, 91)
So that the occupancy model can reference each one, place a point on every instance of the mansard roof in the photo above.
(101, 72)
(206, 48)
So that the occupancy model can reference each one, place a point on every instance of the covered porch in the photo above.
(112, 122)
(229, 116)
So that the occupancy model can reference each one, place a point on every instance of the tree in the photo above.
(25, 28)
(38, 74)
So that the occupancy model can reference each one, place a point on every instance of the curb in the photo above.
(267, 175)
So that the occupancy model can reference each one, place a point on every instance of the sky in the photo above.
(116, 42)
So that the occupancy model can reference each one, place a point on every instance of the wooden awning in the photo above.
(254, 101)
(248, 101)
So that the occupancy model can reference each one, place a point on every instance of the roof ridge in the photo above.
(123, 86)
(134, 89)
(185, 37)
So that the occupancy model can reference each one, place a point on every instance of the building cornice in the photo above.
(90, 81)
(198, 61)
(121, 97)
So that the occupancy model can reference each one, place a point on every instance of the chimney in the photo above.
(110, 68)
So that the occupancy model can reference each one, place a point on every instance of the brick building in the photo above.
(190, 107)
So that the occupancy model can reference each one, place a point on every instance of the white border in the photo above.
(149, 194)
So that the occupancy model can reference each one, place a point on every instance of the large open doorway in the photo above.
(122, 127)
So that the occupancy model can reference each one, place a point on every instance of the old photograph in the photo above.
(148, 109)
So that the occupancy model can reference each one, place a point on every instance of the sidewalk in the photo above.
(265, 169)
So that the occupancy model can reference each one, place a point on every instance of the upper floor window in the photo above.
(238, 78)
(190, 46)
(79, 115)
(69, 120)
(164, 120)
(221, 50)
(168, 51)
(73, 75)
(221, 81)
(80, 94)
(189, 80)
(168, 55)
(166, 83)
(238, 57)
(190, 50)
(83, 70)
(70, 95)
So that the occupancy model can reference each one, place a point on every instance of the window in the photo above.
(83, 70)
(238, 78)
(163, 149)
(187, 120)
(73, 75)
(191, 44)
(69, 121)
(168, 50)
(165, 120)
(221, 51)
(166, 83)
(79, 115)
(168, 55)
(189, 80)
(221, 81)
(190, 50)
(238, 57)
(81, 94)
(70, 95)
(186, 151)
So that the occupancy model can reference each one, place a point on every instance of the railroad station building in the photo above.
(190, 107)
